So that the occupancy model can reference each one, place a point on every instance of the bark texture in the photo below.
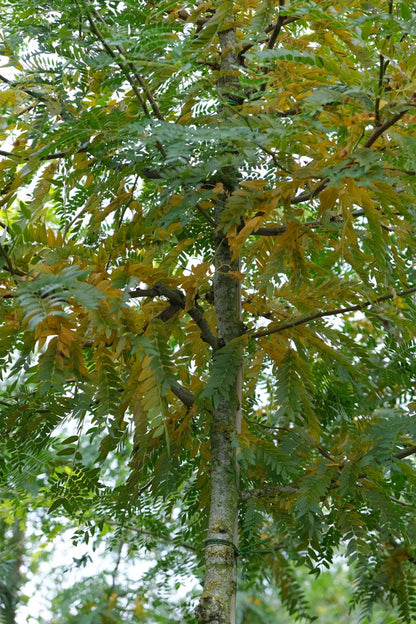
(217, 603)
(218, 599)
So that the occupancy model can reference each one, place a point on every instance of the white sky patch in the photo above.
(40, 587)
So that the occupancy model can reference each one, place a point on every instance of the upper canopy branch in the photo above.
(125, 66)
(96, 31)
(128, 69)
(377, 132)
(282, 20)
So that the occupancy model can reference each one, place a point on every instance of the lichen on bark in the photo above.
(217, 603)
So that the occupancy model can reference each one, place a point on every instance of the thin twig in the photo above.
(55, 155)
(271, 153)
(206, 215)
(325, 454)
(383, 64)
(122, 66)
(400, 502)
(137, 76)
(33, 94)
(116, 567)
(126, 68)
(259, 424)
(11, 155)
(379, 90)
(302, 197)
(269, 491)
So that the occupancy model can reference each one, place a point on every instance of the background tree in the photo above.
(11, 540)
(207, 263)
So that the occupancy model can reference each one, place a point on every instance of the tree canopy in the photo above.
(207, 239)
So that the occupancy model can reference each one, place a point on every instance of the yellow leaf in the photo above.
(400, 303)
(192, 283)
(327, 199)
(255, 185)
(236, 275)
(138, 608)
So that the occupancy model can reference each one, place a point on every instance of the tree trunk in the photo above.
(217, 602)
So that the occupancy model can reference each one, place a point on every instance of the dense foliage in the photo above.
(142, 142)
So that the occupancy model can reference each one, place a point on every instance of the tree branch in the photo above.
(176, 388)
(282, 20)
(325, 454)
(169, 312)
(11, 155)
(177, 302)
(207, 335)
(379, 130)
(122, 66)
(268, 491)
(281, 229)
(206, 215)
(406, 453)
(125, 67)
(381, 72)
(276, 31)
(9, 266)
(302, 197)
(292, 489)
(34, 94)
(400, 502)
(130, 65)
(271, 153)
(335, 312)
(182, 393)
(61, 154)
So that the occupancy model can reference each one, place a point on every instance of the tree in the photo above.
(11, 540)
(207, 259)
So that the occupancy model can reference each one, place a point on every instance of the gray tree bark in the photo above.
(217, 603)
